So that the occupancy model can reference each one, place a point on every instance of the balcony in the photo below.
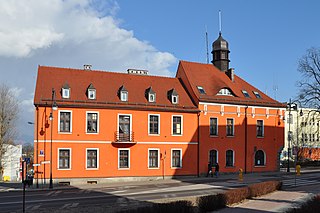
(124, 137)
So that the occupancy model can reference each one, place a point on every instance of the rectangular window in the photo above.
(124, 158)
(229, 158)
(65, 121)
(176, 158)
(154, 124)
(65, 93)
(92, 122)
(124, 96)
(92, 94)
(230, 127)
(92, 158)
(260, 128)
(177, 125)
(213, 126)
(64, 158)
(124, 128)
(153, 158)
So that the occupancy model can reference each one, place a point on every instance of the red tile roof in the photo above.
(212, 80)
(107, 85)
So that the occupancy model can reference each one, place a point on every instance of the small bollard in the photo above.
(298, 169)
(240, 174)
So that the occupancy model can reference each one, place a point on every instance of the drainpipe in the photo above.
(37, 148)
(245, 138)
(198, 147)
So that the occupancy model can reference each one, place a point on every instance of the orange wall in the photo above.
(271, 143)
(79, 140)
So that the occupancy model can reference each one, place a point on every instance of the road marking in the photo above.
(298, 182)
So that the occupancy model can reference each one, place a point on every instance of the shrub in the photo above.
(236, 195)
(211, 202)
(311, 206)
(182, 206)
(263, 188)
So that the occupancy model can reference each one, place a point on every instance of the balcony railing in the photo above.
(124, 137)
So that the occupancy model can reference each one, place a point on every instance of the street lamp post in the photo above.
(53, 107)
(291, 105)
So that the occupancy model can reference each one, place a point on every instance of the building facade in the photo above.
(94, 126)
(11, 162)
(302, 134)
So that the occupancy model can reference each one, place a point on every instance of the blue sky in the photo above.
(266, 39)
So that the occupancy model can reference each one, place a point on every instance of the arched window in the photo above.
(229, 158)
(213, 157)
(259, 158)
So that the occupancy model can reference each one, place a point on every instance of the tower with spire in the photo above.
(220, 53)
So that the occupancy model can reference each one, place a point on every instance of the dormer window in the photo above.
(257, 95)
(150, 95)
(91, 92)
(173, 96)
(201, 90)
(246, 94)
(175, 99)
(225, 91)
(123, 93)
(65, 91)
(152, 98)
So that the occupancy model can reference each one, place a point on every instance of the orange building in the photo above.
(132, 125)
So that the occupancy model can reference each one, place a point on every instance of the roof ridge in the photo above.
(105, 71)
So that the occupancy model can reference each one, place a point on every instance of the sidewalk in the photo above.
(278, 201)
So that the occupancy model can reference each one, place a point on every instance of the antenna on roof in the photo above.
(275, 87)
(220, 24)
(207, 45)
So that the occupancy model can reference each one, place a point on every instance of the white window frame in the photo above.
(70, 158)
(70, 122)
(97, 149)
(98, 122)
(233, 157)
(217, 127)
(120, 149)
(130, 115)
(181, 116)
(233, 128)
(260, 136)
(65, 93)
(265, 159)
(176, 149)
(151, 134)
(150, 99)
(153, 149)
(92, 92)
(124, 96)
(175, 99)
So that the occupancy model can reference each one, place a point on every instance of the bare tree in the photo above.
(309, 67)
(8, 115)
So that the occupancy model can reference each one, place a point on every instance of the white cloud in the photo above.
(87, 28)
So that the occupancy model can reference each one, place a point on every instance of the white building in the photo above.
(304, 127)
(11, 162)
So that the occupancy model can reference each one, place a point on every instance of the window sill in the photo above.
(65, 133)
(64, 169)
(176, 167)
(260, 137)
(92, 133)
(230, 136)
(214, 136)
(258, 166)
(176, 135)
(92, 169)
(150, 134)
(153, 168)
(123, 168)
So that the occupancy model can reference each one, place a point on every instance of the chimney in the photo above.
(137, 72)
(230, 74)
(87, 67)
